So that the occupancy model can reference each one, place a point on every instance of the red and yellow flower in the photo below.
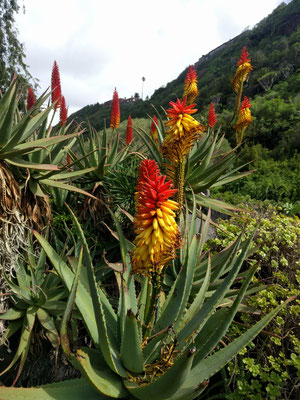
(190, 85)
(154, 222)
(243, 70)
(183, 131)
(244, 119)
(115, 111)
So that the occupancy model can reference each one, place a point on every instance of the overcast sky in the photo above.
(102, 44)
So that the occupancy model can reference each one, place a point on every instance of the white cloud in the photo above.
(99, 45)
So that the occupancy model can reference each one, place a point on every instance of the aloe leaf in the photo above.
(69, 308)
(35, 188)
(5, 102)
(218, 324)
(12, 314)
(28, 164)
(65, 186)
(199, 169)
(178, 295)
(114, 149)
(151, 145)
(199, 299)
(26, 128)
(6, 126)
(127, 298)
(73, 174)
(49, 325)
(106, 339)
(83, 299)
(142, 299)
(131, 346)
(75, 389)
(201, 317)
(25, 341)
(92, 365)
(209, 366)
(167, 384)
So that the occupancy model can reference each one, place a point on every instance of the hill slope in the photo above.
(274, 84)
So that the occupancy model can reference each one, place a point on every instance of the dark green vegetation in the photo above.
(268, 367)
(12, 52)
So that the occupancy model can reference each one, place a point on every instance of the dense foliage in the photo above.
(12, 54)
(268, 368)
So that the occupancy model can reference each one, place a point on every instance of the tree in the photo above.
(12, 53)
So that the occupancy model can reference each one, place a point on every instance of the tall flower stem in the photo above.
(179, 184)
(154, 288)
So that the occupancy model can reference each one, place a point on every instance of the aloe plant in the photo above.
(37, 297)
(171, 358)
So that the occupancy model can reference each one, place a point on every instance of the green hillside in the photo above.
(274, 46)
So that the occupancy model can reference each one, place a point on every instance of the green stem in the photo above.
(179, 183)
(152, 303)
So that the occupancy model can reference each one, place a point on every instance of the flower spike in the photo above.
(212, 119)
(153, 129)
(55, 86)
(190, 85)
(243, 70)
(244, 119)
(129, 132)
(63, 112)
(30, 99)
(183, 131)
(155, 225)
(115, 111)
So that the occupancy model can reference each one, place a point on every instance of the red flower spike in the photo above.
(115, 111)
(190, 90)
(129, 131)
(63, 112)
(68, 159)
(30, 99)
(212, 119)
(154, 222)
(244, 58)
(55, 86)
(153, 126)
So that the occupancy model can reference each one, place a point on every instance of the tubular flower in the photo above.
(147, 171)
(129, 131)
(30, 99)
(63, 116)
(190, 85)
(55, 86)
(154, 222)
(212, 118)
(243, 70)
(244, 119)
(183, 131)
(153, 128)
(115, 111)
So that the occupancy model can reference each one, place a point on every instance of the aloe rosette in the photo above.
(158, 343)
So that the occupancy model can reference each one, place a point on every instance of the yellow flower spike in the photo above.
(157, 232)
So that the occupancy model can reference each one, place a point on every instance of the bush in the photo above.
(269, 367)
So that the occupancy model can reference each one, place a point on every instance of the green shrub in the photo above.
(269, 367)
